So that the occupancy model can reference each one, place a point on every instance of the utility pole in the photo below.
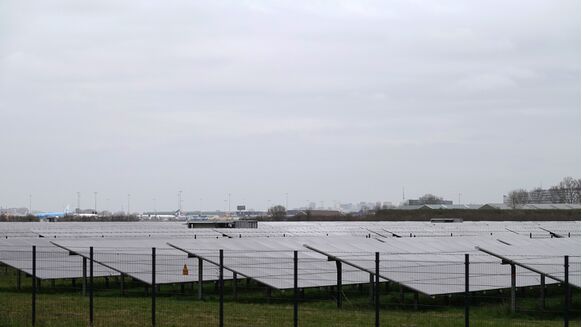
(229, 204)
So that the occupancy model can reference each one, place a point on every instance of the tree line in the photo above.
(567, 191)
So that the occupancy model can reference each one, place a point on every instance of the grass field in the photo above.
(63, 305)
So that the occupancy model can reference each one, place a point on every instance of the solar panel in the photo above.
(51, 262)
(543, 256)
(270, 261)
(133, 257)
(429, 265)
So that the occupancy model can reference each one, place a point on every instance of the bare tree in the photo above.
(557, 195)
(538, 195)
(517, 198)
(571, 189)
(430, 199)
(278, 211)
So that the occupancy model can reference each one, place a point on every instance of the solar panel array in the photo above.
(427, 257)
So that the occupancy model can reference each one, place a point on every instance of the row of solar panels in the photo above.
(291, 229)
(429, 265)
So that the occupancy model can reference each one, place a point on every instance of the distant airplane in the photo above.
(45, 215)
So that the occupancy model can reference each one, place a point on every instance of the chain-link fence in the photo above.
(165, 287)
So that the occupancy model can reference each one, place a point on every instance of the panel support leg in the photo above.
(200, 278)
(84, 291)
(542, 292)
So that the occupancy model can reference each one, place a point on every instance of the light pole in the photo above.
(128, 202)
(229, 204)
(30, 204)
(95, 194)
(180, 202)
(459, 198)
(78, 201)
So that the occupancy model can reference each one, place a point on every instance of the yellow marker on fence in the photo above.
(185, 270)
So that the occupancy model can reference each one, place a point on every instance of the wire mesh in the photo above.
(418, 289)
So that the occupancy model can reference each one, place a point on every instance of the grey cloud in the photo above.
(325, 100)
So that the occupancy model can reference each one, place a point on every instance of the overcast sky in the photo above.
(324, 100)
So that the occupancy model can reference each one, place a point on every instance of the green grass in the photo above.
(63, 306)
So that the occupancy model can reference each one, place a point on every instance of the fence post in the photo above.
(377, 289)
(91, 286)
(154, 288)
(33, 285)
(221, 290)
(513, 303)
(338, 265)
(295, 291)
(466, 290)
(567, 293)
